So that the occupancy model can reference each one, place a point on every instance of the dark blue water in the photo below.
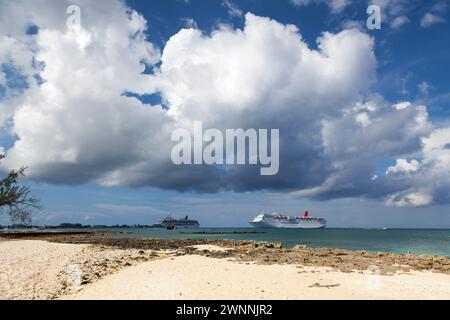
(432, 242)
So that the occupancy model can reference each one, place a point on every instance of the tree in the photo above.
(15, 199)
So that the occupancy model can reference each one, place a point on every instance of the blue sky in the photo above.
(412, 65)
(408, 56)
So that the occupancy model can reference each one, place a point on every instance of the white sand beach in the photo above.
(197, 277)
(31, 269)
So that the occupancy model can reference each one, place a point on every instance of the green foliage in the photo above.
(16, 200)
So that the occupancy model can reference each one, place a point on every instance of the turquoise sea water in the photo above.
(420, 241)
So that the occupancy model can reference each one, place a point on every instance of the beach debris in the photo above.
(328, 286)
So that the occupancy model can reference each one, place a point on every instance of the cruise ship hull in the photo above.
(177, 226)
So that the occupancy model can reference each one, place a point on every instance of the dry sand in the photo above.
(29, 268)
(33, 269)
(198, 277)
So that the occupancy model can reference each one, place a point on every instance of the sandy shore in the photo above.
(35, 269)
(30, 269)
(88, 268)
(198, 277)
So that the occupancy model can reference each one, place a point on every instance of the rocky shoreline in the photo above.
(249, 252)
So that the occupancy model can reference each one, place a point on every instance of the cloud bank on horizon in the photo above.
(71, 103)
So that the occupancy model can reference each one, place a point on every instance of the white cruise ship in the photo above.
(276, 220)
(171, 223)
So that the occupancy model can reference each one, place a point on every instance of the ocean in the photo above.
(420, 241)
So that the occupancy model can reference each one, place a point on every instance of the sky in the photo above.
(89, 106)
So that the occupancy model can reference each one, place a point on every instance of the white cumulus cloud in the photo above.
(399, 22)
(430, 19)
(81, 122)
(403, 166)
(335, 5)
